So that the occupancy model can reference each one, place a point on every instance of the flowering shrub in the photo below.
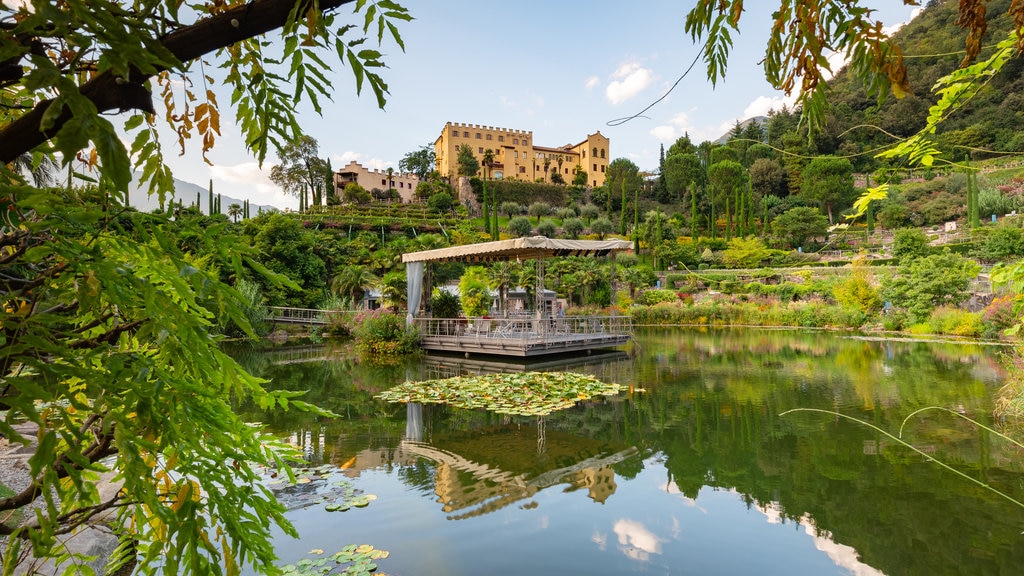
(381, 334)
(655, 296)
(998, 316)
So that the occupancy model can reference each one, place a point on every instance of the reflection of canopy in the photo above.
(519, 248)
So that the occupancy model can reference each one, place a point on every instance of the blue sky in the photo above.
(561, 69)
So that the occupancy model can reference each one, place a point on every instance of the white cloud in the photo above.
(763, 104)
(629, 80)
(339, 160)
(251, 182)
(592, 82)
(635, 540)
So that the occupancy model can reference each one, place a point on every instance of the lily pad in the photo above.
(523, 394)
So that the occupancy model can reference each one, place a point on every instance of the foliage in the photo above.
(547, 228)
(524, 393)
(382, 336)
(419, 162)
(445, 304)
(745, 253)
(301, 172)
(909, 243)
(520, 226)
(602, 226)
(441, 201)
(799, 224)
(827, 180)
(954, 322)
(735, 311)
(107, 348)
(858, 290)
(254, 308)
(1002, 242)
(656, 296)
(474, 291)
(927, 282)
(466, 161)
(361, 559)
(573, 227)
(998, 316)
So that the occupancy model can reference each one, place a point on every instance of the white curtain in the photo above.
(414, 290)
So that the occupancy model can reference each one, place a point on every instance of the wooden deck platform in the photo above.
(523, 336)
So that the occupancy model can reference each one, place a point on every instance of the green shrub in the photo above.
(954, 322)
(655, 296)
(445, 304)
(382, 335)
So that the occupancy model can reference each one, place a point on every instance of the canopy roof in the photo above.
(519, 248)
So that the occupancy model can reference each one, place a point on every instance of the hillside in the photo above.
(187, 193)
(934, 46)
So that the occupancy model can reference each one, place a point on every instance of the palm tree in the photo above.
(547, 164)
(235, 210)
(501, 275)
(353, 280)
(44, 174)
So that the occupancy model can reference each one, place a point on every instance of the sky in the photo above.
(562, 70)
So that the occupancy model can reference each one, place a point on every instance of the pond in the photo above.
(700, 468)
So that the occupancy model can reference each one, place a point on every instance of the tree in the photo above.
(767, 177)
(420, 162)
(234, 211)
(466, 160)
(474, 292)
(602, 227)
(909, 243)
(353, 280)
(301, 172)
(573, 227)
(118, 326)
(520, 226)
(827, 180)
(925, 283)
(727, 179)
(539, 209)
(798, 224)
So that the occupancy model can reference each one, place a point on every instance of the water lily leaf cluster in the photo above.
(361, 560)
(318, 485)
(522, 394)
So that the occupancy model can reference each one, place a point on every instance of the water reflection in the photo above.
(664, 468)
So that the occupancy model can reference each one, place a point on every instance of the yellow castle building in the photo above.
(516, 156)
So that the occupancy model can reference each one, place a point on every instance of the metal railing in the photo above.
(523, 328)
(301, 315)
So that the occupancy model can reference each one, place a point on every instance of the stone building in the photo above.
(403, 183)
(516, 155)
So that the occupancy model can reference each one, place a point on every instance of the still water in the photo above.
(696, 470)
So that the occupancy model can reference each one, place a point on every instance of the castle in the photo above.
(404, 183)
(516, 156)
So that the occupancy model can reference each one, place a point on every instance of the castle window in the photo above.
(488, 136)
(595, 167)
(602, 152)
(522, 169)
(515, 141)
(584, 153)
(383, 182)
(594, 153)
(602, 168)
(477, 135)
(501, 138)
(480, 149)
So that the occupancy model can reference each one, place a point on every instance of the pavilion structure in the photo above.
(538, 332)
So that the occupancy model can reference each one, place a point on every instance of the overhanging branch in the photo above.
(108, 92)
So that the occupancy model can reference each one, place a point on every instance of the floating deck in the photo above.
(523, 336)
